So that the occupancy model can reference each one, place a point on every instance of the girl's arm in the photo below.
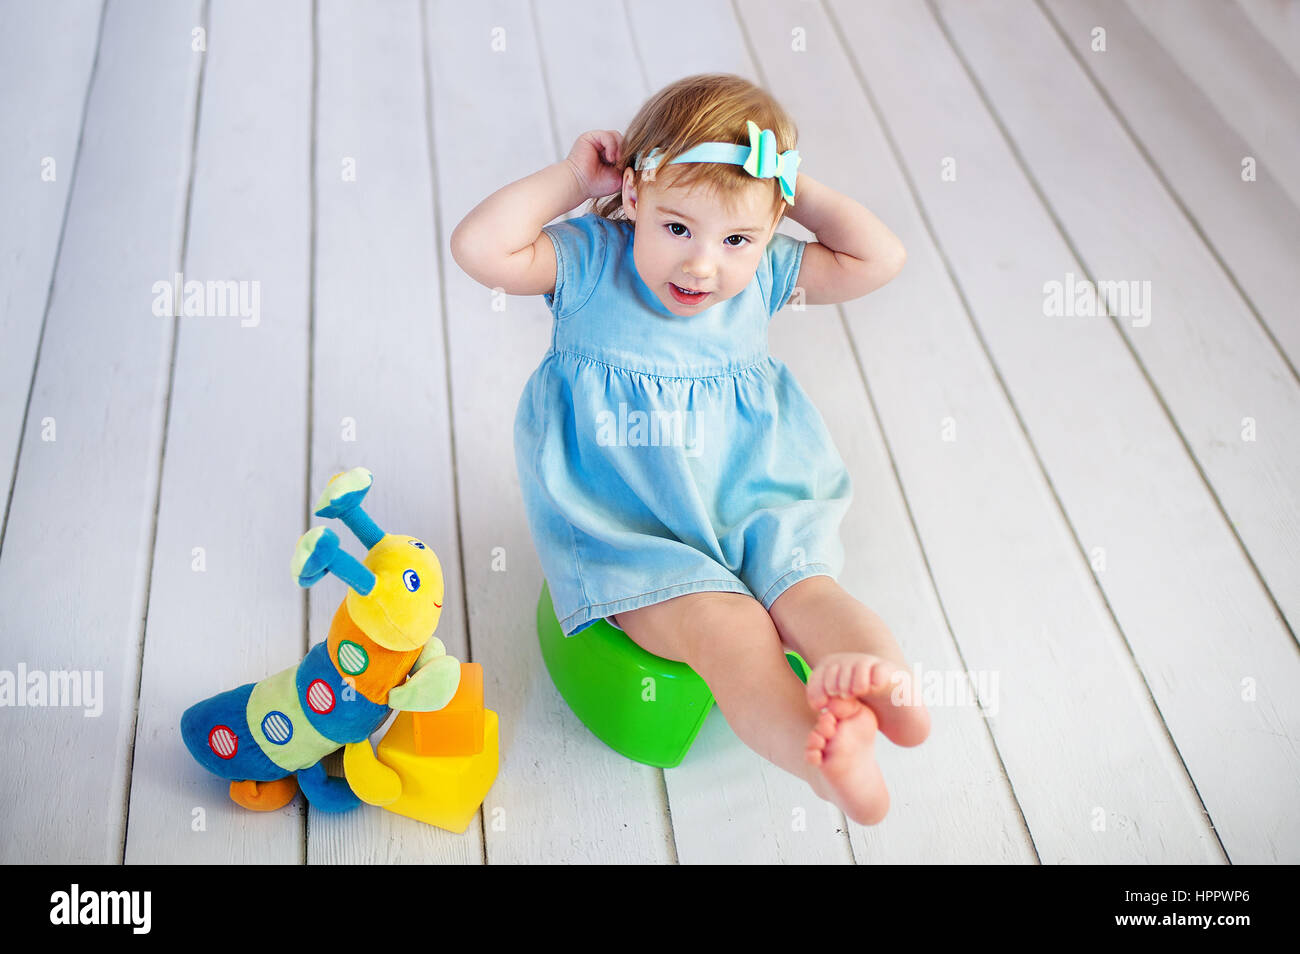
(855, 253)
(500, 242)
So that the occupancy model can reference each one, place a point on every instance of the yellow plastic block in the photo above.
(456, 728)
(445, 791)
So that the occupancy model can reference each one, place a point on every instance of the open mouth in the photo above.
(687, 296)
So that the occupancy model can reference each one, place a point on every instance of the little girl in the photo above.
(677, 479)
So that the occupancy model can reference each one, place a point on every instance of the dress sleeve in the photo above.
(779, 270)
(580, 252)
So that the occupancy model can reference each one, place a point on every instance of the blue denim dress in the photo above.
(661, 455)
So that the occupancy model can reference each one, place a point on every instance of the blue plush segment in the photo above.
(365, 529)
(322, 555)
(228, 709)
(348, 509)
(341, 505)
(354, 717)
(352, 572)
(326, 794)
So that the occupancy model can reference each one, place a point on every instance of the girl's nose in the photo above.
(699, 268)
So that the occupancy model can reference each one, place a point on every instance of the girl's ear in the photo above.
(629, 193)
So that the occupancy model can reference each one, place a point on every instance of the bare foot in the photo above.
(842, 745)
(884, 687)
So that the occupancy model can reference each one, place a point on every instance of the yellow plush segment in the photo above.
(373, 782)
(384, 668)
(358, 478)
(445, 792)
(392, 614)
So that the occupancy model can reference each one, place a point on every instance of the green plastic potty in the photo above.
(644, 707)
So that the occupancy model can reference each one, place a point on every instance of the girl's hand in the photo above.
(594, 159)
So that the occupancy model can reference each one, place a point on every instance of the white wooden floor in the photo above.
(1096, 518)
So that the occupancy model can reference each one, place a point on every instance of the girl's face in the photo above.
(688, 242)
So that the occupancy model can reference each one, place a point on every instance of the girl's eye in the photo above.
(674, 226)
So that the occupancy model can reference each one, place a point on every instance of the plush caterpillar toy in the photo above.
(264, 735)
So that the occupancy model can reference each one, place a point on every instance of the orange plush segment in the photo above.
(370, 668)
(456, 728)
(264, 796)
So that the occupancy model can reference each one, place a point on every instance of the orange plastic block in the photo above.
(456, 728)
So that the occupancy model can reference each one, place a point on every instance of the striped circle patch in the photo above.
(320, 697)
(352, 658)
(223, 742)
(277, 727)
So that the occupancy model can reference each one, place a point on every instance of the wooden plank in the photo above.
(1247, 80)
(1012, 585)
(74, 571)
(1134, 500)
(47, 52)
(755, 819)
(380, 394)
(1252, 225)
(1278, 21)
(234, 464)
(561, 795)
(1221, 380)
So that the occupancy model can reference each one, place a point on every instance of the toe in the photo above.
(845, 707)
(848, 674)
(815, 691)
(815, 746)
(861, 684)
(882, 674)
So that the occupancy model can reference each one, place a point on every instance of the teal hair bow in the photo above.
(760, 158)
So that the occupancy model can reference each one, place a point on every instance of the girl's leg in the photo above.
(731, 641)
(844, 642)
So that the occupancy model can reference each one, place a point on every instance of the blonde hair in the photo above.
(706, 107)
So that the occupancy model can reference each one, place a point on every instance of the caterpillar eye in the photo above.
(417, 544)
(412, 580)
